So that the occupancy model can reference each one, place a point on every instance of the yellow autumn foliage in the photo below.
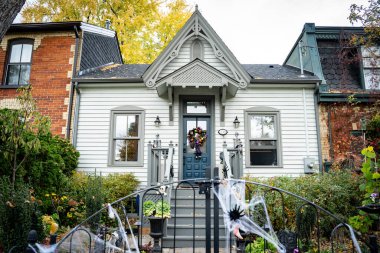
(144, 27)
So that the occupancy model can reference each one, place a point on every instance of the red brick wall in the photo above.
(49, 78)
(339, 119)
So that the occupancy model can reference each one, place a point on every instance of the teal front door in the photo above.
(195, 163)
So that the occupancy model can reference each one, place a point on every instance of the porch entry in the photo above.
(197, 138)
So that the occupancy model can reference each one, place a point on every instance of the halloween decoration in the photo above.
(197, 137)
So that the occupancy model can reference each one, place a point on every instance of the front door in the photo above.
(196, 159)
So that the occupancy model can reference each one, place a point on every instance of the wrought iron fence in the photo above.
(302, 227)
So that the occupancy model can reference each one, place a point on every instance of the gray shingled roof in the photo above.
(116, 71)
(257, 71)
(276, 71)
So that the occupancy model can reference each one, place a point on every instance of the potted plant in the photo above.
(156, 212)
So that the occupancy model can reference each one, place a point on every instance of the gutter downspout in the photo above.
(76, 115)
(319, 142)
(68, 127)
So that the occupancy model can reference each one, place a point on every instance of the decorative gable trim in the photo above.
(197, 73)
(196, 27)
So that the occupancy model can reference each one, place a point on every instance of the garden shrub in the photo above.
(336, 191)
(94, 199)
(52, 167)
(116, 186)
(16, 214)
(370, 195)
(43, 161)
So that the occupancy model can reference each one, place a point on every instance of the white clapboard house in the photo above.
(139, 118)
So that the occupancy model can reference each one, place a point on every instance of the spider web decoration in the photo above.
(249, 216)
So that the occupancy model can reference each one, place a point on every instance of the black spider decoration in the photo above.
(235, 213)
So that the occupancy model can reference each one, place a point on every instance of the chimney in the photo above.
(108, 24)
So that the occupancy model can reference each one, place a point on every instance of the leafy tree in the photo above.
(8, 12)
(19, 135)
(369, 18)
(28, 151)
(144, 27)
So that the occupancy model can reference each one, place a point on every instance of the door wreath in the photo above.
(197, 137)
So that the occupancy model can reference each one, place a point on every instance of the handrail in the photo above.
(227, 170)
(160, 162)
(168, 176)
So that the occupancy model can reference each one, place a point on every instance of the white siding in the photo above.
(184, 57)
(94, 123)
(97, 103)
(290, 103)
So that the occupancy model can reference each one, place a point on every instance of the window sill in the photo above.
(4, 86)
(126, 165)
(264, 167)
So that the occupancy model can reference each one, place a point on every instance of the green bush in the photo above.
(16, 214)
(40, 159)
(336, 191)
(257, 246)
(52, 167)
(116, 186)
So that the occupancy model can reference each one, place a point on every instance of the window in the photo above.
(263, 137)
(19, 62)
(126, 142)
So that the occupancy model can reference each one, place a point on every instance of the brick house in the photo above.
(348, 90)
(47, 56)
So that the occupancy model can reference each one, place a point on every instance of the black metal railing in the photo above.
(111, 228)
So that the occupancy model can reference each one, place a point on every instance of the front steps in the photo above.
(182, 221)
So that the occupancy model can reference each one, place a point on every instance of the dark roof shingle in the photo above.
(256, 71)
(276, 72)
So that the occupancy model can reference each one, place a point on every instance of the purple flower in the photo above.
(295, 250)
(374, 196)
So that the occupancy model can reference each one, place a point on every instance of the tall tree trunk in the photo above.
(8, 12)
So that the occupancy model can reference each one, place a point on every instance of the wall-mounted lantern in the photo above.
(236, 122)
(157, 122)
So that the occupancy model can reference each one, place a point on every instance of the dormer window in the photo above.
(19, 62)
(197, 50)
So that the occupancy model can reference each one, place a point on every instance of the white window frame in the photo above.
(11, 46)
(126, 110)
(263, 111)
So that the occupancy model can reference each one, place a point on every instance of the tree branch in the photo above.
(8, 12)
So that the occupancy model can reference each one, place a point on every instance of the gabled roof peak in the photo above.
(196, 27)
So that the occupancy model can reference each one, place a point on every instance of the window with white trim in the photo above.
(263, 138)
(126, 142)
(19, 62)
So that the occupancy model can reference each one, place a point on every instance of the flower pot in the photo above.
(156, 231)
(156, 226)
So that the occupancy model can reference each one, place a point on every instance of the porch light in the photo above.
(236, 122)
(157, 122)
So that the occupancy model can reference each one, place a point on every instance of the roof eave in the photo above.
(285, 81)
(50, 26)
(108, 80)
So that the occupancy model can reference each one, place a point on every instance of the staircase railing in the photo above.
(160, 162)
(232, 159)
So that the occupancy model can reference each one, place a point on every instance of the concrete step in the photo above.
(187, 230)
(190, 210)
(184, 212)
(187, 241)
(183, 219)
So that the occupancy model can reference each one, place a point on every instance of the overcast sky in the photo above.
(264, 31)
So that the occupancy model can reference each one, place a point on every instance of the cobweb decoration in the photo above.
(250, 216)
